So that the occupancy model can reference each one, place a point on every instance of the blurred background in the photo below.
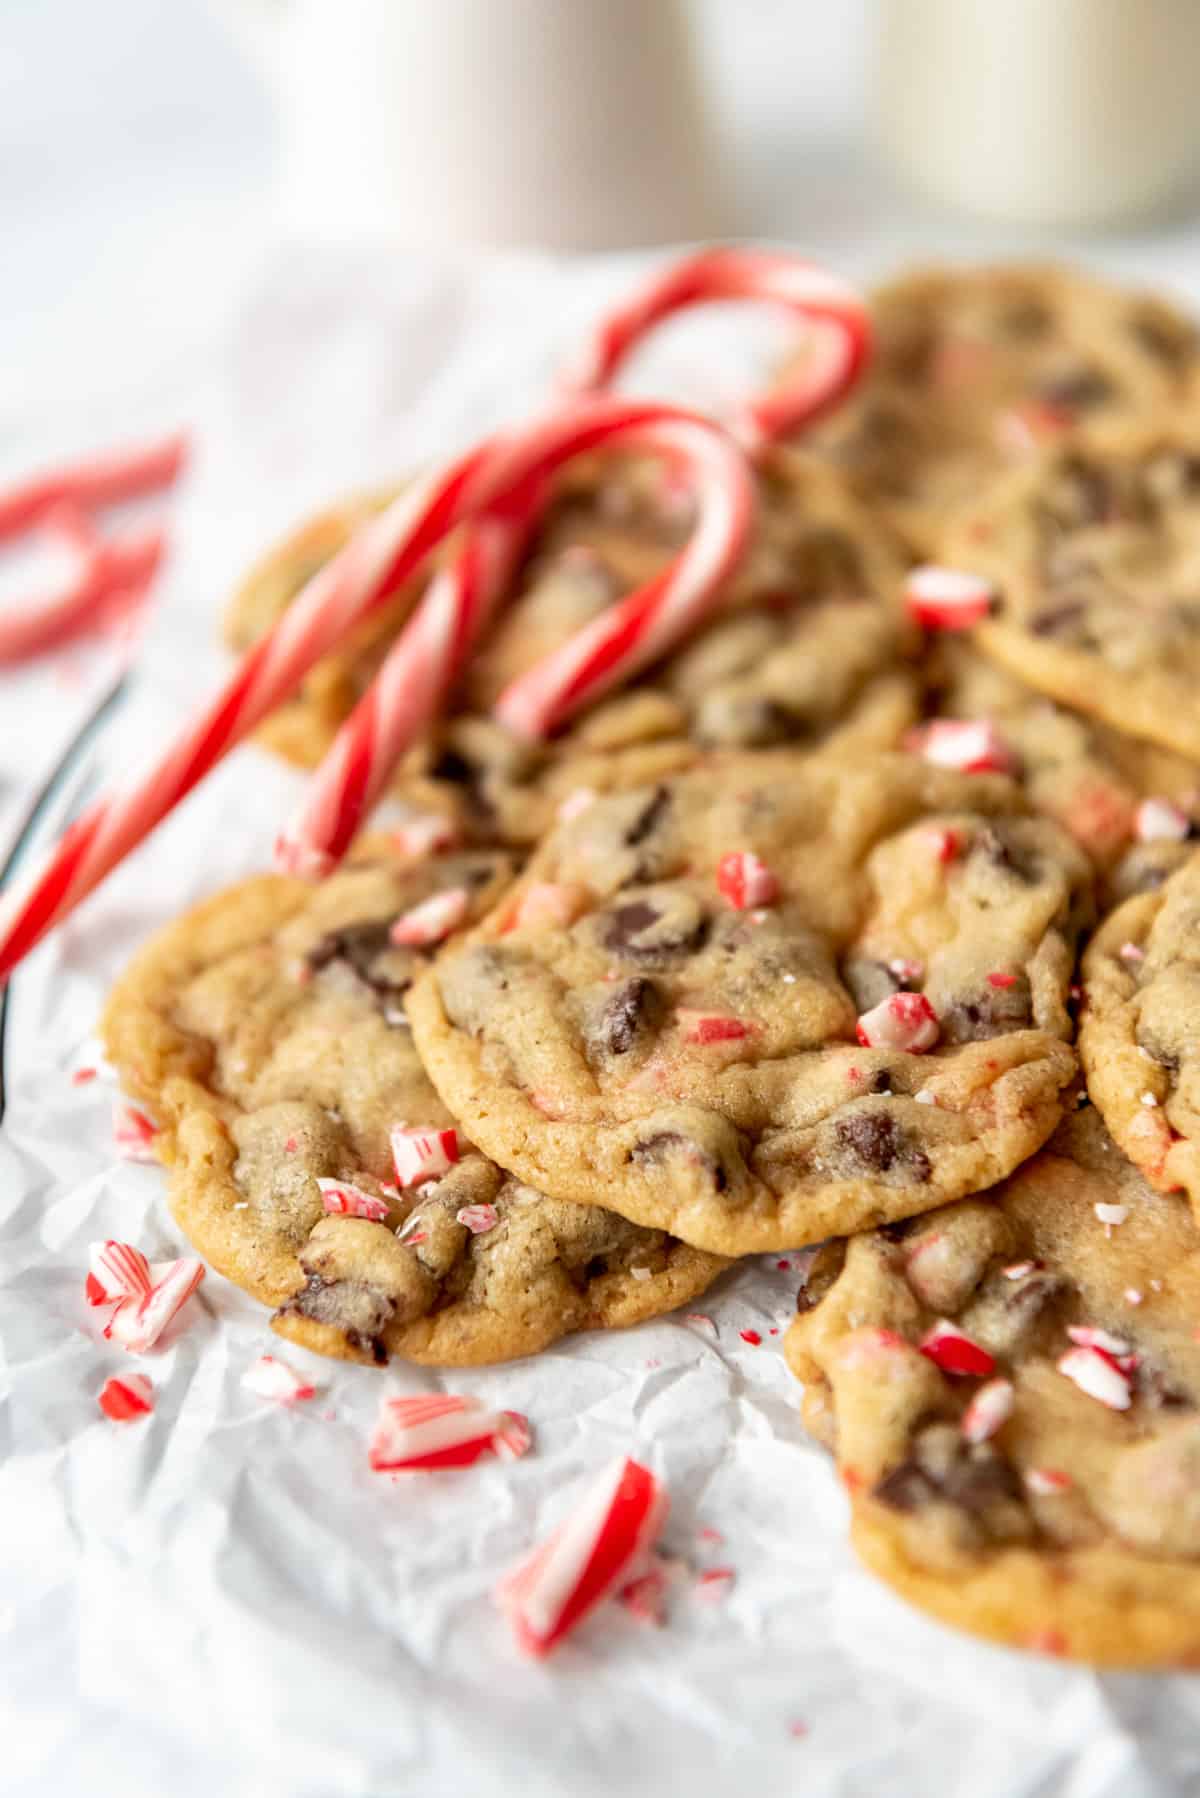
(151, 153)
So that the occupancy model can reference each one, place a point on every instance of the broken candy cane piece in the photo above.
(546, 903)
(1088, 1336)
(420, 1155)
(746, 881)
(947, 599)
(478, 1219)
(127, 1398)
(133, 1133)
(137, 1323)
(586, 1558)
(432, 920)
(972, 745)
(423, 833)
(1158, 819)
(443, 1430)
(991, 1407)
(1046, 1482)
(116, 1270)
(901, 1021)
(269, 1377)
(342, 1199)
(954, 1352)
(711, 1026)
(1096, 1374)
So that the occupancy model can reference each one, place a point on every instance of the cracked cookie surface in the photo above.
(267, 1031)
(1045, 1493)
(770, 999)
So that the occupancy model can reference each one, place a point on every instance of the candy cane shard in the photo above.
(138, 1322)
(595, 1550)
(439, 1430)
(125, 1399)
(841, 340)
(116, 1271)
(269, 1377)
(341, 1198)
(133, 1133)
(367, 572)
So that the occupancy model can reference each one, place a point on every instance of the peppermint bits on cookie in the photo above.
(746, 881)
(971, 745)
(420, 1155)
(947, 599)
(905, 1021)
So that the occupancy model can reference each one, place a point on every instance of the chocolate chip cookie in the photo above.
(1010, 1386)
(770, 998)
(976, 368)
(1094, 551)
(1140, 1029)
(267, 1031)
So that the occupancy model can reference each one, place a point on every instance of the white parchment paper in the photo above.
(225, 1598)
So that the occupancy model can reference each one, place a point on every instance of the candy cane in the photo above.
(435, 645)
(106, 480)
(373, 565)
(586, 1558)
(612, 649)
(106, 572)
(842, 342)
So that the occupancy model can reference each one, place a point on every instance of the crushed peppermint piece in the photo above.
(925, 1097)
(1149, 1101)
(269, 1377)
(84, 1076)
(990, 1408)
(133, 1133)
(1087, 1336)
(751, 1336)
(711, 1026)
(126, 1398)
(947, 599)
(478, 1219)
(641, 1273)
(972, 745)
(955, 1352)
(577, 801)
(116, 1271)
(945, 845)
(714, 1583)
(420, 1155)
(1002, 981)
(547, 903)
(343, 1199)
(435, 1430)
(1017, 1270)
(1047, 1481)
(746, 881)
(1110, 1215)
(1131, 952)
(1158, 820)
(646, 1597)
(592, 1553)
(1132, 1296)
(783, 1266)
(1098, 1375)
(423, 833)
(138, 1321)
(432, 920)
(700, 1317)
(904, 968)
(905, 1021)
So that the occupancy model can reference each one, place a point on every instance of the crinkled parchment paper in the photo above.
(225, 1599)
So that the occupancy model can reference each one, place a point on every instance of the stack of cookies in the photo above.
(836, 933)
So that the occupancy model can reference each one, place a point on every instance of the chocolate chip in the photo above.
(1007, 856)
(1077, 390)
(868, 981)
(977, 1477)
(1156, 1390)
(823, 1266)
(368, 950)
(874, 1139)
(633, 1007)
(1028, 1299)
(906, 1488)
(993, 1012)
(666, 1144)
(642, 930)
(358, 1312)
(649, 818)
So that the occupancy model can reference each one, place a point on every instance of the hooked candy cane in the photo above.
(109, 575)
(103, 480)
(437, 642)
(371, 567)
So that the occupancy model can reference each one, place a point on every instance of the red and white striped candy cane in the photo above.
(372, 566)
(841, 336)
(104, 480)
(433, 649)
(110, 576)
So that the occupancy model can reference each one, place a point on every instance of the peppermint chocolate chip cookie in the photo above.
(768, 999)
(810, 647)
(267, 1030)
(975, 368)
(1010, 1386)
(1140, 1029)
(1094, 551)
